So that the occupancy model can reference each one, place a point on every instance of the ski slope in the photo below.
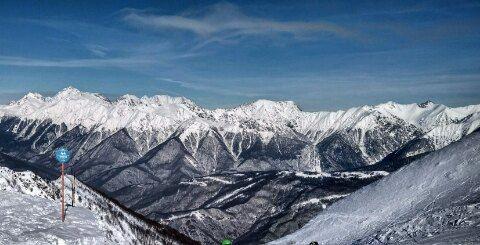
(28, 219)
(434, 199)
(30, 214)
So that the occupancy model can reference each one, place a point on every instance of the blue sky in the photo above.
(324, 55)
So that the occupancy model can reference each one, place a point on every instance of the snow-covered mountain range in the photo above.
(435, 200)
(30, 208)
(175, 162)
(252, 136)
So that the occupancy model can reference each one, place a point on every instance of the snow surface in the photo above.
(343, 175)
(439, 183)
(29, 208)
(32, 220)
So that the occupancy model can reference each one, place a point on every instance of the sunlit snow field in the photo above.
(34, 220)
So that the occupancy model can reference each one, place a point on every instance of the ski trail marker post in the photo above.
(62, 155)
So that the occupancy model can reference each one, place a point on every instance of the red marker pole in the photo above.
(62, 155)
(63, 197)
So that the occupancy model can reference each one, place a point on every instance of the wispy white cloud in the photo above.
(214, 89)
(103, 46)
(228, 20)
(97, 50)
(71, 63)
(177, 22)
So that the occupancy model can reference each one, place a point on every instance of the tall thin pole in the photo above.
(73, 191)
(63, 196)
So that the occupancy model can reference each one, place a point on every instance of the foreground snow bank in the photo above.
(29, 210)
(34, 220)
(421, 201)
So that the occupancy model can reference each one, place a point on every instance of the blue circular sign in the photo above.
(62, 155)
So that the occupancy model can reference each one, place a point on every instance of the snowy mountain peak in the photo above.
(426, 104)
(154, 101)
(68, 91)
(265, 109)
(274, 105)
(128, 100)
(160, 100)
(29, 98)
(35, 96)
(71, 93)
(390, 105)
